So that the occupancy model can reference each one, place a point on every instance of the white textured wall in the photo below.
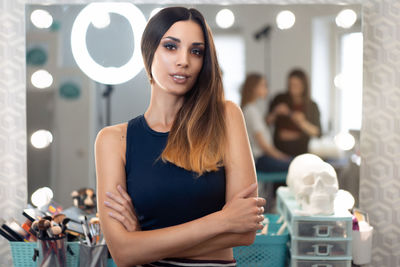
(380, 138)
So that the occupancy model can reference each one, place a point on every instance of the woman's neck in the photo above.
(162, 110)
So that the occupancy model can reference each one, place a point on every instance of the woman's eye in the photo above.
(197, 51)
(170, 46)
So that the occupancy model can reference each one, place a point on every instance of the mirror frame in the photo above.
(380, 127)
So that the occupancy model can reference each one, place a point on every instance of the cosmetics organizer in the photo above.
(267, 250)
(316, 240)
(22, 254)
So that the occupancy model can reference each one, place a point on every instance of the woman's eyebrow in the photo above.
(178, 40)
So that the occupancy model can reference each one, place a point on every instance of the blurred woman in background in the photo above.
(295, 116)
(267, 157)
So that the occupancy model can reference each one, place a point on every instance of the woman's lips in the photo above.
(178, 78)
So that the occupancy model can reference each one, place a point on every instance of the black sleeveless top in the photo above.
(164, 194)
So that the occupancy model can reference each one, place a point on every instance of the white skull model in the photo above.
(314, 184)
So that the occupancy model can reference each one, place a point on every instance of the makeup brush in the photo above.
(58, 218)
(64, 223)
(43, 225)
(35, 228)
(54, 231)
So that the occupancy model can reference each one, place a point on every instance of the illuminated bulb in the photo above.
(154, 11)
(338, 81)
(100, 18)
(41, 139)
(41, 18)
(344, 141)
(42, 79)
(42, 197)
(346, 18)
(225, 18)
(285, 20)
(344, 201)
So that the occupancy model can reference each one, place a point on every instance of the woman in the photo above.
(178, 184)
(267, 157)
(295, 116)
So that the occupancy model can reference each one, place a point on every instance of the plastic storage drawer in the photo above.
(267, 250)
(320, 263)
(321, 248)
(322, 229)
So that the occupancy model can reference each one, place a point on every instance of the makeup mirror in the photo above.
(74, 107)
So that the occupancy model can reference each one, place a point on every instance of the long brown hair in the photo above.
(248, 88)
(196, 141)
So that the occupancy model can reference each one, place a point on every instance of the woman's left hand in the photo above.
(123, 210)
(298, 117)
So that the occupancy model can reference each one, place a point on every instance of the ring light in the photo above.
(97, 72)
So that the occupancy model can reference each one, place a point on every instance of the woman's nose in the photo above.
(183, 59)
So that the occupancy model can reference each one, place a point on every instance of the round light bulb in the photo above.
(42, 79)
(42, 197)
(41, 18)
(346, 18)
(41, 139)
(344, 141)
(285, 20)
(225, 18)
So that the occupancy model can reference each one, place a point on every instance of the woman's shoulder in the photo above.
(232, 109)
(233, 115)
(112, 135)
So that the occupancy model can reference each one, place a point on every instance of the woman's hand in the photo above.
(244, 213)
(298, 117)
(282, 109)
(123, 210)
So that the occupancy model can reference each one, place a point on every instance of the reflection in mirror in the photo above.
(73, 107)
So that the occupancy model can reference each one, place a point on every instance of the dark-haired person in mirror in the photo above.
(176, 186)
(267, 157)
(295, 116)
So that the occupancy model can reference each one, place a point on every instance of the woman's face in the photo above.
(262, 89)
(296, 88)
(178, 58)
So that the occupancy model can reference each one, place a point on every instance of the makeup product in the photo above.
(11, 232)
(7, 236)
(33, 214)
(43, 225)
(15, 226)
(86, 234)
(58, 218)
(35, 228)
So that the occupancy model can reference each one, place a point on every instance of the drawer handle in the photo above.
(323, 230)
(321, 265)
(322, 250)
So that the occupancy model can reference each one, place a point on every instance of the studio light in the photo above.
(285, 20)
(42, 197)
(41, 79)
(225, 18)
(41, 139)
(95, 71)
(344, 140)
(41, 19)
(346, 18)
